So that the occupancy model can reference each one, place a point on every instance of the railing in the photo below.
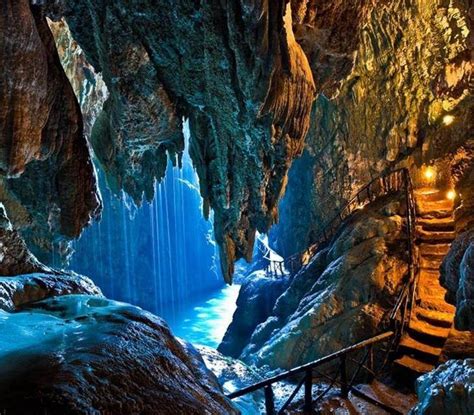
(384, 185)
(340, 377)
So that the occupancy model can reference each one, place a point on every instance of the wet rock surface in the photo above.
(254, 305)
(341, 297)
(80, 354)
(447, 389)
(457, 276)
(19, 290)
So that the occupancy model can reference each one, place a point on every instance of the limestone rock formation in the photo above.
(447, 390)
(342, 296)
(24, 289)
(81, 354)
(457, 276)
(234, 69)
(254, 305)
(381, 107)
(47, 181)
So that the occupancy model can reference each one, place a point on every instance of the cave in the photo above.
(236, 207)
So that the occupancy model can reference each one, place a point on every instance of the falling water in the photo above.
(159, 256)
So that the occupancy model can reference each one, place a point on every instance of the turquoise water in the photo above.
(206, 321)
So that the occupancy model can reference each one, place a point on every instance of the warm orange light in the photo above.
(448, 119)
(451, 194)
(429, 173)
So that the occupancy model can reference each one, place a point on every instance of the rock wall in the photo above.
(47, 181)
(381, 106)
(341, 297)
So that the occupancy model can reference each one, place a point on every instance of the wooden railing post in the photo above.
(344, 384)
(370, 363)
(308, 391)
(269, 401)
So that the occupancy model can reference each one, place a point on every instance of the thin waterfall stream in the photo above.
(161, 256)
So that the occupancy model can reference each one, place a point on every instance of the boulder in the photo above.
(80, 354)
(254, 305)
(447, 390)
(19, 290)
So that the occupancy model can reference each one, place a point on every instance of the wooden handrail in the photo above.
(309, 366)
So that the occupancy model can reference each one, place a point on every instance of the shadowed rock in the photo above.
(81, 354)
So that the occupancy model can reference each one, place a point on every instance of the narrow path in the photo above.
(432, 316)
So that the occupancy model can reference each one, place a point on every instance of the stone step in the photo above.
(411, 346)
(434, 291)
(429, 194)
(434, 250)
(431, 263)
(429, 207)
(428, 330)
(435, 304)
(414, 365)
(442, 224)
(434, 236)
(436, 318)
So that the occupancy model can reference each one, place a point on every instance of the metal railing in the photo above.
(384, 185)
(340, 377)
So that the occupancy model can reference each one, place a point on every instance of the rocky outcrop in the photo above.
(447, 390)
(341, 297)
(80, 354)
(47, 181)
(24, 289)
(256, 300)
(457, 276)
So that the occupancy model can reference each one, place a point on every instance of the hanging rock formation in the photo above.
(234, 69)
(47, 181)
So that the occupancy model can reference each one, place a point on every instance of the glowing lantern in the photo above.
(448, 119)
(429, 173)
(451, 194)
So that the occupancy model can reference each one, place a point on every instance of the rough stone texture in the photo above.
(458, 345)
(447, 390)
(85, 355)
(15, 258)
(382, 107)
(89, 87)
(24, 289)
(256, 300)
(233, 375)
(47, 182)
(457, 276)
(234, 69)
(342, 296)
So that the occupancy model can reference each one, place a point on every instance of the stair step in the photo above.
(442, 224)
(428, 194)
(428, 330)
(429, 207)
(436, 318)
(414, 346)
(435, 304)
(431, 263)
(414, 365)
(434, 250)
(435, 236)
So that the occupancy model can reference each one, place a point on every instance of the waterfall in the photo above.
(157, 256)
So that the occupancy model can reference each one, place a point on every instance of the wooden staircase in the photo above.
(432, 317)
